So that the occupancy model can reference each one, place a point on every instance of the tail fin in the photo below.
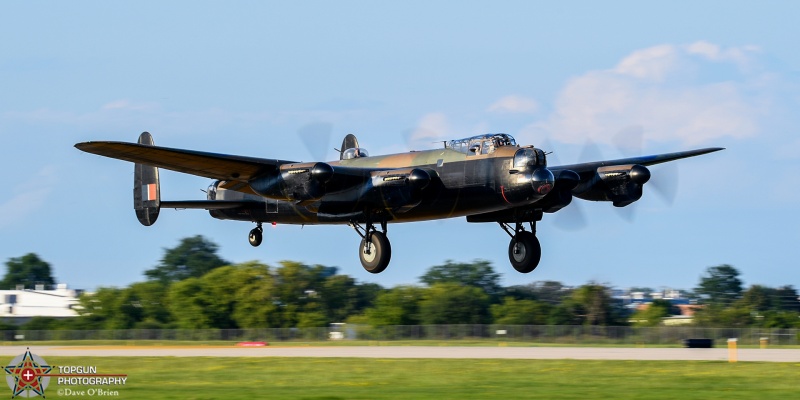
(349, 142)
(146, 188)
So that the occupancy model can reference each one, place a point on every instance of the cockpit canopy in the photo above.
(356, 152)
(481, 144)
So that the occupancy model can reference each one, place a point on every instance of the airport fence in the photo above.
(578, 335)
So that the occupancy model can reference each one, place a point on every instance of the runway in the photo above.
(452, 352)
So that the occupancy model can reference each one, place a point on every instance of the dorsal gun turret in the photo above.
(350, 149)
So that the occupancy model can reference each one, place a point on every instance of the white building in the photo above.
(20, 305)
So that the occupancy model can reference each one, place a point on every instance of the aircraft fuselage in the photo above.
(460, 185)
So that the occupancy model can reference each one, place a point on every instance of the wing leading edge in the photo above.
(209, 165)
(591, 167)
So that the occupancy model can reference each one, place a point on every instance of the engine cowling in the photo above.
(397, 189)
(561, 195)
(295, 182)
(620, 184)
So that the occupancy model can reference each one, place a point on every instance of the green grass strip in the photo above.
(351, 378)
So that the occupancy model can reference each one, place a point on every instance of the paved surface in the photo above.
(577, 353)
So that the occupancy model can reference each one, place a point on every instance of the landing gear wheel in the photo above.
(255, 236)
(375, 255)
(524, 252)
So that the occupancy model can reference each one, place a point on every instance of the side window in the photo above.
(474, 148)
(488, 147)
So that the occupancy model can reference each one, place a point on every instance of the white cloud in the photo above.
(713, 52)
(514, 104)
(650, 88)
(431, 127)
(124, 104)
(27, 197)
(649, 64)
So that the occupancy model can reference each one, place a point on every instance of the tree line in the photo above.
(193, 288)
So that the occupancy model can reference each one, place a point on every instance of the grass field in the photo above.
(295, 343)
(350, 378)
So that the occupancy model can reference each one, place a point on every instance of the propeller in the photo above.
(571, 217)
(630, 142)
(316, 136)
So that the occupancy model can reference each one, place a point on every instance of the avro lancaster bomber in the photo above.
(485, 178)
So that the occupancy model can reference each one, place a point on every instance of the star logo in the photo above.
(26, 375)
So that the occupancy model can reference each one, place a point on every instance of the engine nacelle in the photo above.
(561, 195)
(295, 182)
(621, 184)
(397, 189)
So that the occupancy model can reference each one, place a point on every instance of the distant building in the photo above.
(20, 305)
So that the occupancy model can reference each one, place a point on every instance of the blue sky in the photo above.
(243, 77)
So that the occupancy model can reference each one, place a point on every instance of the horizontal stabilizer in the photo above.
(211, 204)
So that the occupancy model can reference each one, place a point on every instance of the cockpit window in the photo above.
(481, 144)
(356, 152)
(488, 146)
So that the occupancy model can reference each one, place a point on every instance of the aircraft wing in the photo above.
(209, 165)
(587, 170)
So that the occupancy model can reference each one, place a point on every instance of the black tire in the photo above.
(524, 252)
(255, 237)
(380, 253)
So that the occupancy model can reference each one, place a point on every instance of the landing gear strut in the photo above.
(375, 251)
(524, 251)
(256, 235)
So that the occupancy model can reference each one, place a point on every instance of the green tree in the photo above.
(479, 274)
(342, 297)
(720, 285)
(41, 324)
(787, 298)
(520, 312)
(188, 304)
(100, 310)
(597, 306)
(193, 257)
(151, 298)
(396, 306)
(299, 287)
(550, 292)
(567, 312)
(781, 319)
(654, 314)
(450, 303)
(256, 298)
(228, 297)
(759, 298)
(29, 271)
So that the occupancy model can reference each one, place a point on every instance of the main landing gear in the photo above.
(375, 251)
(524, 251)
(256, 235)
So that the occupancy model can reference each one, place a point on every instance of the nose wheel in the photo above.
(256, 235)
(375, 251)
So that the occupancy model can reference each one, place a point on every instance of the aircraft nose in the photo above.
(542, 181)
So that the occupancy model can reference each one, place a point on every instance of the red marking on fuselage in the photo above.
(503, 192)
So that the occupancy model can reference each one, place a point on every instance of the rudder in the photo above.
(146, 188)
